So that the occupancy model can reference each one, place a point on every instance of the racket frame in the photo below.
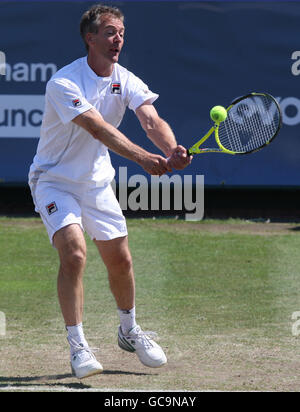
(195, 149)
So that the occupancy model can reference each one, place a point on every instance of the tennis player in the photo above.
(71, 174)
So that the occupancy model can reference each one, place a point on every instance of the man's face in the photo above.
(109, 40)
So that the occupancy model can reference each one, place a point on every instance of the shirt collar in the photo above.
(94, 76)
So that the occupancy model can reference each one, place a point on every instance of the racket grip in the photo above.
(187, 152)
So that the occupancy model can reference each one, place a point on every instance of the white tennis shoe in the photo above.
(142, 343)
(84, 363)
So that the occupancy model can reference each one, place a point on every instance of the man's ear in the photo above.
(90, 38)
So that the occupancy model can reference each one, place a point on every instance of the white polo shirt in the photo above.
(66, 152)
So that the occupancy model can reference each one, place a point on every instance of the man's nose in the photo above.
(118, 38)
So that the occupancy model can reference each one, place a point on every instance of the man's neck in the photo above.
(100, 67)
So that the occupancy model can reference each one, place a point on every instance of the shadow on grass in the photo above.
(295, 229)
(23, 381)
(27, 381)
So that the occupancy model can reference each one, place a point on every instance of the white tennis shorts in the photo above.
(95, 209)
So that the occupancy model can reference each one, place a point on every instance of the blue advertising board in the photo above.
(193, 54)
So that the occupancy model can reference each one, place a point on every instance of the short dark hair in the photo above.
(91, 19)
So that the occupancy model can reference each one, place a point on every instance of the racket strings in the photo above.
(250, 124)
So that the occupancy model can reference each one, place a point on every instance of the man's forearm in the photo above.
(119, 143)
(116, 141)
(162, 136)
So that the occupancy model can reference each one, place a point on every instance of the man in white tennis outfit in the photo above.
(71, 174)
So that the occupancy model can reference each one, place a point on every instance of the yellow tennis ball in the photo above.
(218, 114)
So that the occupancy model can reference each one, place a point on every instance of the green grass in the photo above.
(221, 303)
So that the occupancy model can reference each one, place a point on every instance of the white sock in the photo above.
(127, 319)
(76, 337)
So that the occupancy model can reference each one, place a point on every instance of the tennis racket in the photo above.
(252, 122)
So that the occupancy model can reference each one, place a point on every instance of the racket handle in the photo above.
(187, 152)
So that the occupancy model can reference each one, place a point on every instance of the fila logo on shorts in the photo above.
(51, 208)
(76, 102)
(115, 88)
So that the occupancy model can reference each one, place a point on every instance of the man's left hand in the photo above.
(179, 159)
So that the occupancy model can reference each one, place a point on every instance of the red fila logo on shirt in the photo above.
(76, 102)
(51, 208)
(115, 88)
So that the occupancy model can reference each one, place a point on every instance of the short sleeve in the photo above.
(66, 98)
(138, 92)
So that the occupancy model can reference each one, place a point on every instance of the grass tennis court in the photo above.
(220, 294)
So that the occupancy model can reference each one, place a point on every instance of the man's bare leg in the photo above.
(117, 259)
(70, 244)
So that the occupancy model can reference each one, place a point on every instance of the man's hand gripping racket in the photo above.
(252, 122)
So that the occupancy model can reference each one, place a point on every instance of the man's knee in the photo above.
(71, 247)
(116, 254)
(124, 263)
(73, 261)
